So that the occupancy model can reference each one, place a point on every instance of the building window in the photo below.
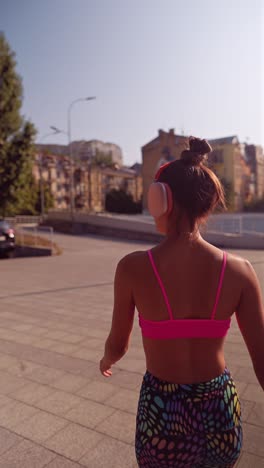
(216, 157)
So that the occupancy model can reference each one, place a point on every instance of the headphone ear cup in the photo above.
(159, 199)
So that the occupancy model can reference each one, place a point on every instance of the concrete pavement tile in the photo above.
(93, 355)
(14, 412)
(72, 338)
(61, 462)
(246, 408)
(22, 368)
(73, 441)
(70, 364)
(64, 348)
(89, 414)
(32, 393)
(40, 427)
(70, 383)
(93, 343)
(44, 343)
(253, 440)
(129, 380)
(26, 455)
(22, 327)
(8, 440)
(256, 415)
(98, 333)
(126, 400)
(59, 402)
(250, 461)
(98, 391)
(7, 361)
(55, 334)
(241, 387)
(25, 339)
(111, 453)
(10, 383)
(235, 338)
(132, 365)
(7, 334)
(46, 375)
(38, 331)
(254, 392)
(4, 400)
(233, 358)
(246, 374)
(91, 371)
(136, 352)
(120, 425)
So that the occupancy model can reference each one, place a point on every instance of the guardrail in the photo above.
(35, 232)
(252, 224)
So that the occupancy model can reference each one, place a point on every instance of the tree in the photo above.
(48, 197)
(102, 159)
(118, 201)
(255, 206)
(17, 187)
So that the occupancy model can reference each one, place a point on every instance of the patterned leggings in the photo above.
(193, 425)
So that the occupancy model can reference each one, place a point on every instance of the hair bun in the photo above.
(196, 154)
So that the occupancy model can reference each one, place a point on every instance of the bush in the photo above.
(256, 206)
(118, 201)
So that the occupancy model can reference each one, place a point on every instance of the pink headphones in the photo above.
(160, 200)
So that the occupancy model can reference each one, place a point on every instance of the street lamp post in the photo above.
(42, 194)
(72, 201)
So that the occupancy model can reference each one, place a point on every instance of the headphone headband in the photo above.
(161, 169)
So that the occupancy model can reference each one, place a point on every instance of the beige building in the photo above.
(228, 161)
(85, 150)
(255, 160)
(165, 147)
(91, 182)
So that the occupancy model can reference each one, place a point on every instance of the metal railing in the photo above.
(250, 224)
(36, 232)
(23, 220)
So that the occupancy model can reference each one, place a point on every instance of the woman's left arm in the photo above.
(122, 321)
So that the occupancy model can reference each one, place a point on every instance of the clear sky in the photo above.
(193, 65)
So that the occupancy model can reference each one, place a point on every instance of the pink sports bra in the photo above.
(185, 328)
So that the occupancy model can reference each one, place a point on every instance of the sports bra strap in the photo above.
(161, 284)
(219, 286)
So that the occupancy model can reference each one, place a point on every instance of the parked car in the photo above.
(7, 239)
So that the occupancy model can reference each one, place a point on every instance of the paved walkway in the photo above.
(56, 410)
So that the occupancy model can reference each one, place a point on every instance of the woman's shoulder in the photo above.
(132, 261)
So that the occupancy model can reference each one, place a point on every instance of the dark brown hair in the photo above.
(195, 187)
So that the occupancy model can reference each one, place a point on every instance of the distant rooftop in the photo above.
(224, 141)
(161, 132)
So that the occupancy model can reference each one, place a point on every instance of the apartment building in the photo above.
(166, 147)
(228, 161)
(91, 182)
(255, 160)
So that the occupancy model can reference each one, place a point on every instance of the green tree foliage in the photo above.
(102, 159)
(48, 197)
(118, 201)
(17, 187)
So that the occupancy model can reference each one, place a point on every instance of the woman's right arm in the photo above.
(250, 318)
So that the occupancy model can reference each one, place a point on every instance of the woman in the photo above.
(186, 291)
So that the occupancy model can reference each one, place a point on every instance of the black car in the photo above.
(7, 239)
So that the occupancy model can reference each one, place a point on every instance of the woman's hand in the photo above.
(105, 367)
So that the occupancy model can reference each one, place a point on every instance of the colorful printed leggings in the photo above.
(194, 425)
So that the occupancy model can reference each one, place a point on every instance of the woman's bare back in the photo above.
(190, 276)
